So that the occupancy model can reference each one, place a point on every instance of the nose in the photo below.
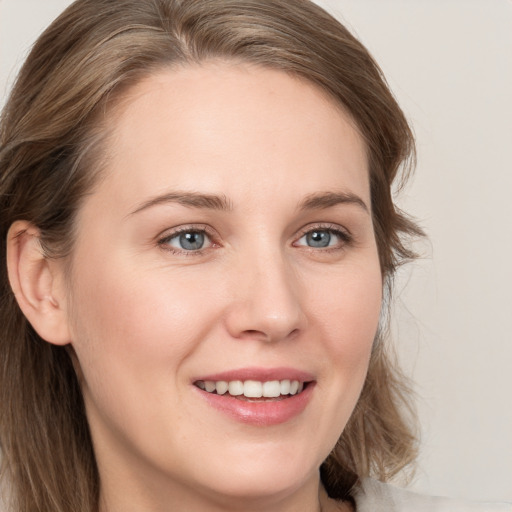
(267, 300)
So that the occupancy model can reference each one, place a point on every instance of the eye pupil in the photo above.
(318, 238)
(192, 240)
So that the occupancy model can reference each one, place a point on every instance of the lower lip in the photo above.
(262, 413)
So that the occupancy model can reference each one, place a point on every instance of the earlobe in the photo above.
(37, 283)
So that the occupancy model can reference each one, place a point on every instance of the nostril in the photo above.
(253, 334)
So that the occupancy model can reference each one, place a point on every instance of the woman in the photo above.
(199, 232)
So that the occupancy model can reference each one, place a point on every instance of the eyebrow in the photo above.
(323, 200)
(315, 201)
(189, 199)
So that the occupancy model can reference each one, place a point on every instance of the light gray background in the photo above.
(450, 65)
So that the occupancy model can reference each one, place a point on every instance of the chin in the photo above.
(263, 475)
(261, 485)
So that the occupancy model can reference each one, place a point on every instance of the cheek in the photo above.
(133, 332)
(347, 314)
(348, 321)
(350, 308)
(128, 320)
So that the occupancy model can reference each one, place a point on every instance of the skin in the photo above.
(147, 317)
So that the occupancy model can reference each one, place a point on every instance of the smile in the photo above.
(252, 388)
(258, 396)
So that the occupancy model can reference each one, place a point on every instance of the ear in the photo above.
(38, 283)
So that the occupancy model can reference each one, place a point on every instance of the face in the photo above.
(228, 252)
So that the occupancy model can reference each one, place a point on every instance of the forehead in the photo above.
(223, 127)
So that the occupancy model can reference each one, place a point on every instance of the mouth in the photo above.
(256, 395)
(254, 390)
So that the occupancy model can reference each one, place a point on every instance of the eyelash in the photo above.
(164, 241)
(345, 237)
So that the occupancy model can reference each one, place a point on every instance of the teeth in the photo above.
(221, 387)
(209, 386)
(271, 389)
(236, 388)
(252, 388)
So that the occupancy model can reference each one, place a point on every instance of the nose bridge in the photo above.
(268, 303)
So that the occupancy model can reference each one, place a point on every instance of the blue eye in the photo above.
(322, 238)
(318, 238)
(190, 240)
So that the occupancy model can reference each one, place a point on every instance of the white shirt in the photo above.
(375, 496)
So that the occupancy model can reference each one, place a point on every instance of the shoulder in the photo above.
(375, 496)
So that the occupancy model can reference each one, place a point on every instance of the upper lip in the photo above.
(259, 374)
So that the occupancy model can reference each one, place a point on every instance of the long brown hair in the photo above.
(50, 142)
